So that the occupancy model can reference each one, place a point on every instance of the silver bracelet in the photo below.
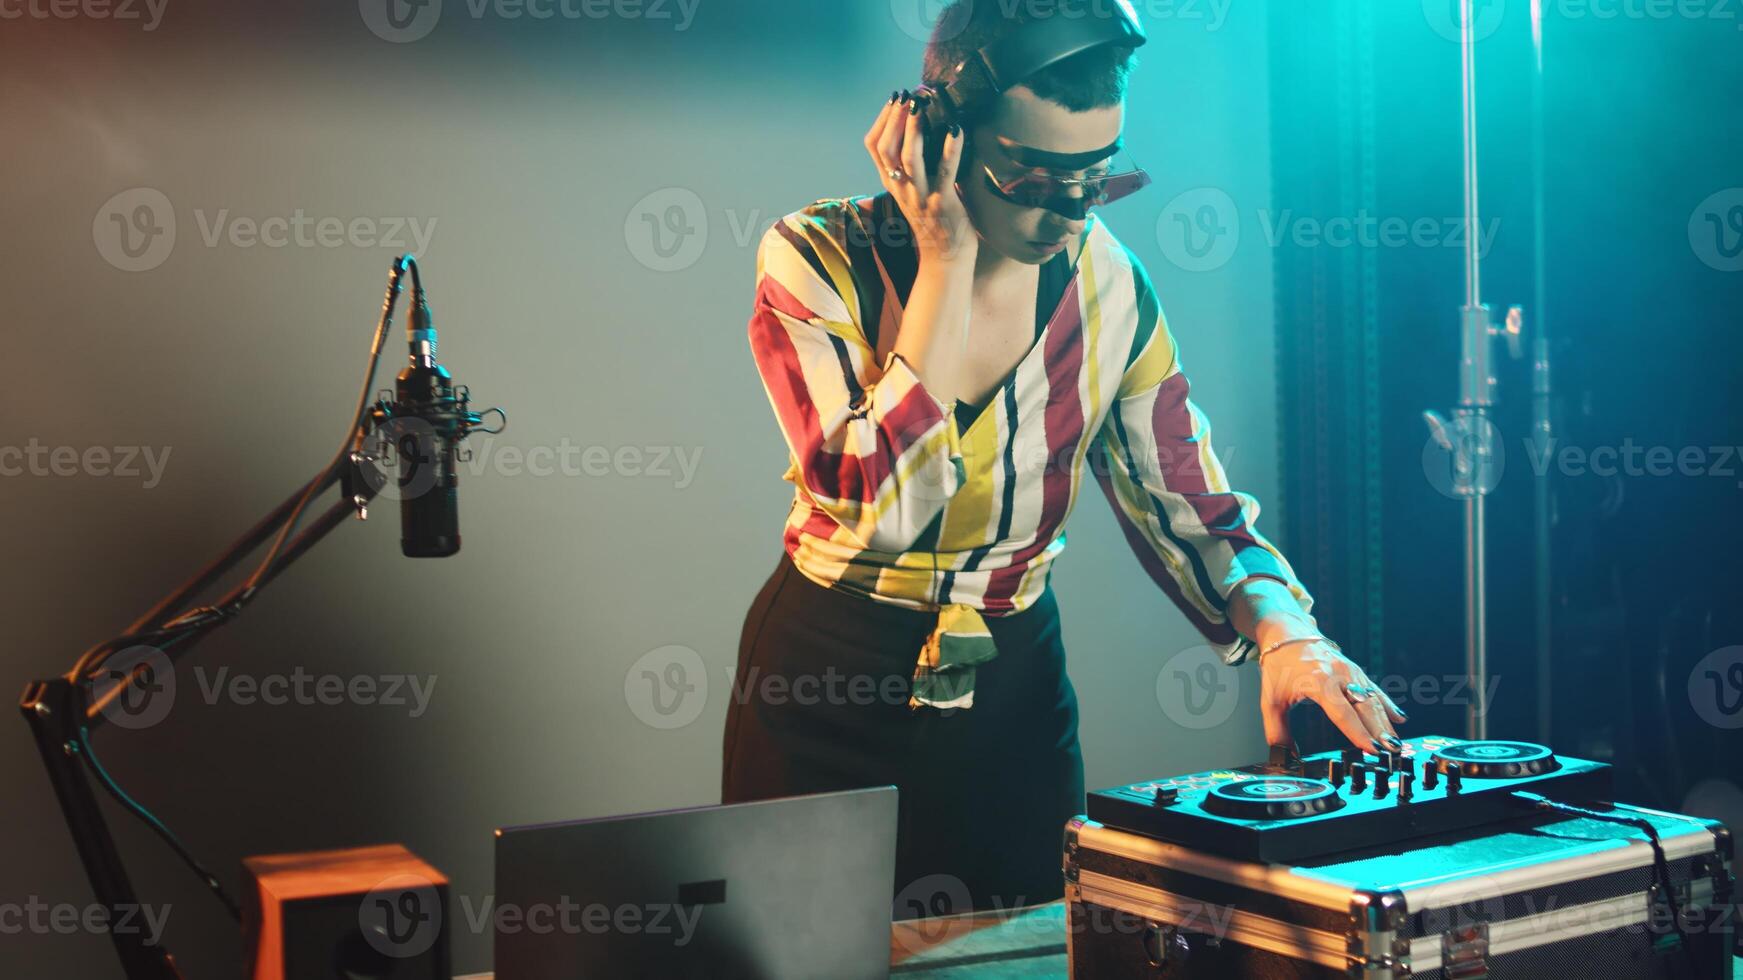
(1294, 639)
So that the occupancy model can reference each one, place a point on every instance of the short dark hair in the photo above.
(1093, 79)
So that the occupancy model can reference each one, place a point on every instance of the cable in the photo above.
(1660, 866)
(157, 826)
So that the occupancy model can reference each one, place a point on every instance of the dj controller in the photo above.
(1445, 860)
(1293, 809)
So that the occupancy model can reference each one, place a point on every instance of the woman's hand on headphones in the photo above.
(930, 202)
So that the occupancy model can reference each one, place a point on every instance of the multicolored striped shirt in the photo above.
(901, 499)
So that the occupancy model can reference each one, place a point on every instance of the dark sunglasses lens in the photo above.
(1042, 192)
(1030, 190)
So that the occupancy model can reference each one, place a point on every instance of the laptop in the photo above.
(791, 887)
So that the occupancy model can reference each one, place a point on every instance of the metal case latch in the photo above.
(1464, 952)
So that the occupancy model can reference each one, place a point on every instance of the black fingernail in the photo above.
(906, 95)
(894, 95)
(914, 108)
(956, 129)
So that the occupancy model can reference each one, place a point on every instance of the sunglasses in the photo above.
(1070, 197)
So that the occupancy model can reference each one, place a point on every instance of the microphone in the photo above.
(421, 427)
(433, 422)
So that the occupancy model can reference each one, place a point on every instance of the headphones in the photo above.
(1009, 61)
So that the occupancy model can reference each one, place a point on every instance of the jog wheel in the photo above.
(1273, 798)
(1495, 760)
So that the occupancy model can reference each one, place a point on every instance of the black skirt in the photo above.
(820, 703)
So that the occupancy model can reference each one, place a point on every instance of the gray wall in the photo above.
(526, 150)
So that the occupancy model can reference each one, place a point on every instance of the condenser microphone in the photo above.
(430, 424)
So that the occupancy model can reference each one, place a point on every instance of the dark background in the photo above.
(1641, 314)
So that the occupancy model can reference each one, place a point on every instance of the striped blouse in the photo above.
(902, 499)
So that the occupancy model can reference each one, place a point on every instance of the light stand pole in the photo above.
(1472, 439)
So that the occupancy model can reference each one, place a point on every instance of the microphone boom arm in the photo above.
(62, 714)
